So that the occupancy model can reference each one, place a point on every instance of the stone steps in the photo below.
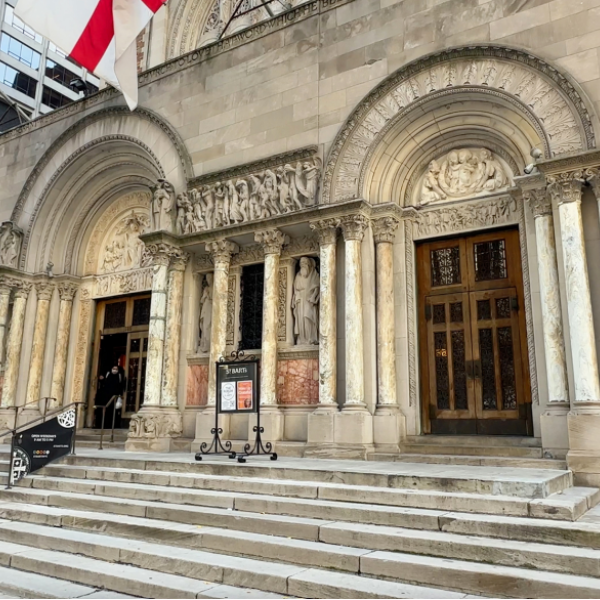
(158, 571)
(481, 461)
(498, 441)
(467, 450)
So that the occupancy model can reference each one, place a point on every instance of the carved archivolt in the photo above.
(549, 101)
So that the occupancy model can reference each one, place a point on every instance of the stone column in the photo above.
(388, 423)
(173, 330)
(272, 242)
(354, 424)
(321, 422)
(554, 418)
(44, 291)
(5, 291)
(13, 353)
(66, 292)
(154, 426)
(584, 418)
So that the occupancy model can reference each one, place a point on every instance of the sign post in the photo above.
(237, 393)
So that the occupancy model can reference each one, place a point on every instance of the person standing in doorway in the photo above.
(114, 385)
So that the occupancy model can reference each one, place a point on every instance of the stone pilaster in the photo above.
(554, 419)
(584, 418)
(5, 292)
(354, 425)
(388, 424)
(272, 242)
(173, 329)
(13, 352)
(321, 422)
(44, 292)
(67, 293)
(154, 426)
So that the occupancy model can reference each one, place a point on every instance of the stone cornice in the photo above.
(574, 162)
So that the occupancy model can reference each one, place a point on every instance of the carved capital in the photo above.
(539, 201)
(272, 240)
(354, 227)
(592, 176)
(44, 290)
(222, 250)
(6, 285)
(384, 229)
(179, 262)
(22, 289)
(326, 230)
(67, 291)
(566, 187)
(162, 254)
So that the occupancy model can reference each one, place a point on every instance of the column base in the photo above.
(354, 426)
(555, 432)
(205, 422)
(272, 420)
(320, 426)
(154, 429)
(583, 457)
(389, 428)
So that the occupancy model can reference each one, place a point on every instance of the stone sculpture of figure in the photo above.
(432, 192)
(208, 198)
(305, 303)
(311, 174)
(294, 194)
(206, 306)
(10, 245)
(244, 199)
(235, 212)
(162, 205)
(198, 211)
(183, 202)
(113, 257)
(494, 177)
(255, 209)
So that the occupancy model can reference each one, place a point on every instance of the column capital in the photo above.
(354, 227)
(161, 254)
(566, 187)
(384, 229)
(67, 291)
(272, 240)
(326, 230)
(179, 261)
(6, 285)
(592, 176)
(222, 250)
(44, 290)
(22, 288)
(539, 201)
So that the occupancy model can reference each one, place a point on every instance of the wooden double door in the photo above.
(473, 341)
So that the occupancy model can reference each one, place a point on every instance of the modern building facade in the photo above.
(393, 204)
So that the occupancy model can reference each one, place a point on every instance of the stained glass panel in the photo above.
(503, 308)
(507, 368)
(484, 310)
(441, 371)
(490, 260)
(439, 314)
(456, 312)
(253, 283)
(445, 266)
(488, 372)
(461, 401)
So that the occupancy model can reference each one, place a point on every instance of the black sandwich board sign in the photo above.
(237, 387)
(38, 446)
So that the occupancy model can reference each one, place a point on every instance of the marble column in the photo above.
(584, 418)
(5, 291)
(173, 329)
(13, 352)
(353, 229)
(44, 292)
(154, 426)
(272, 242)
(221, 252)
(66, 292)
(327, 230)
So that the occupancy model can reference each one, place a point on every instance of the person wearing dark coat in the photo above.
(114, 385)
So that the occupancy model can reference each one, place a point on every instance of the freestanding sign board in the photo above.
(42, 444)
(237, 387)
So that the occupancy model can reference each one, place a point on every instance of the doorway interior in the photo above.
(121, 338)
(472, 335)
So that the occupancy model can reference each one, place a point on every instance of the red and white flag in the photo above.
(98, 34)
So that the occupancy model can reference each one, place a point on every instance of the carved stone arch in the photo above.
(551, 109)
(186, 26)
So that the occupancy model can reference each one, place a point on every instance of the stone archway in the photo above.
(542, 106)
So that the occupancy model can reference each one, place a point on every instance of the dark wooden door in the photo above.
(475, 375)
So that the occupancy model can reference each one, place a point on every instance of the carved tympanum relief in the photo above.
(267, 193)
(463, 173)
(124, 250)
(205, 321)
(305, 303)
(11, 238)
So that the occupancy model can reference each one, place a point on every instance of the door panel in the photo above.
(474, 370)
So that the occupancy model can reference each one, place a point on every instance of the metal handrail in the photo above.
(14, 432)
(113, 401)
(22, 407)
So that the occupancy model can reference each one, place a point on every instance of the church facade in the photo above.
(393, 205)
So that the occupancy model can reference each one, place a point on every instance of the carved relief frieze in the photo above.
(259, 191)
(11, 239)
(115, 284)
(154, 426)
(468, 216)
